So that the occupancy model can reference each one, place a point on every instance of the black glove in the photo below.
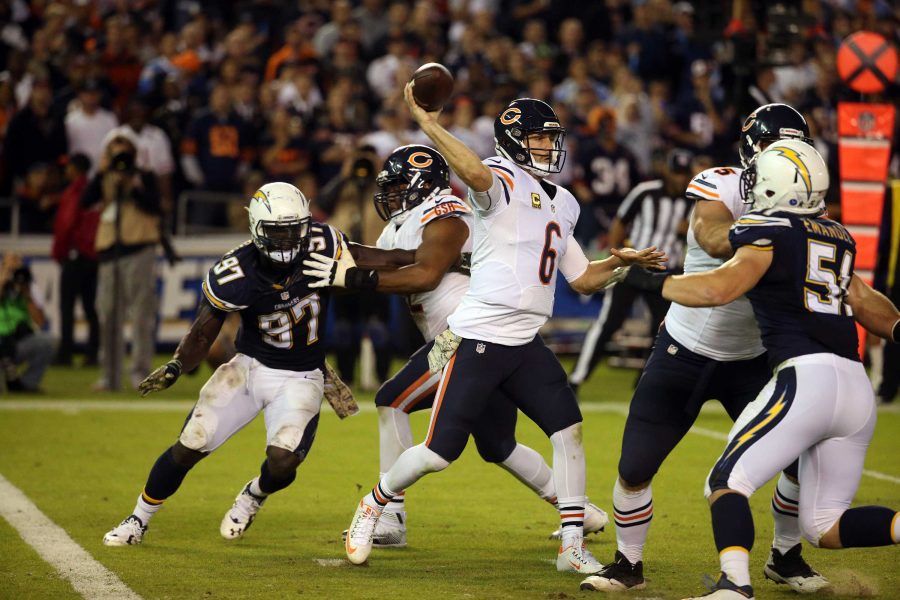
(648, 281)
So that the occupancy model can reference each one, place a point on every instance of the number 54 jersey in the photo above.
(282, 319)
(800, 302)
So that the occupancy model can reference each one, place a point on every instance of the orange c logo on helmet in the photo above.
(749, 122)
(510, 115)
(420, 160)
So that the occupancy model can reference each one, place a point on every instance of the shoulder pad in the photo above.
(713, 184)
(442, 207)
(227, 285)
(757, 231)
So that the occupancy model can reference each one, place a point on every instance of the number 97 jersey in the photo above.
(282, 319)
(800, 302)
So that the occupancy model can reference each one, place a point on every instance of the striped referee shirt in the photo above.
(655, 218)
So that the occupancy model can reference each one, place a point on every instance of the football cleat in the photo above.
(619, 576)
(725, 589)
(129, 532)
(790, 568)
(595, 520)
(390, 532)
(239, 519)
(358, 543)
(576, 558)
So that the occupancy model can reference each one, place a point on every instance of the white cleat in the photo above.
(390, 531)
(129, 532)
(595, 520)
(358, 543)
(576, 558)
(242, 513)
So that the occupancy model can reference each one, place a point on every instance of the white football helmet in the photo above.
(789, 175)
(279, 222)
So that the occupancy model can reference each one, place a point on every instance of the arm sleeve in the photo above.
(574, 263)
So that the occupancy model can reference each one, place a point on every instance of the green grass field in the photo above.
(474, 531)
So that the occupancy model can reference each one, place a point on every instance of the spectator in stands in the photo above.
(74, 236)
(296, 47)
(34, 134)
(605, 172)
(88, 123)
(129, 230)
(37, 198)
(287, 153)
(215, 154)
(21, 318)
(120, 61)
(154, 152)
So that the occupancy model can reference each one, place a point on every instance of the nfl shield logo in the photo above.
(285, 295)
(479, 348)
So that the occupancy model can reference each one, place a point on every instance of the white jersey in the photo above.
(521, 237)
(725, 332)
(430, 309)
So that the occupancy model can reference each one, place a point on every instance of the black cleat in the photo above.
(790, 568)
(619, 576)
(725, 589)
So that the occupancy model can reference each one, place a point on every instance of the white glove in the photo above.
(327, 270)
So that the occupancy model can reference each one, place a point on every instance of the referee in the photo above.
(654, 213)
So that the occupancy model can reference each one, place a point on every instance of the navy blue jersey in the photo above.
(800, 302)
(281, 317)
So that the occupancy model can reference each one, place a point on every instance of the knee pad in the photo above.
(433, 461)
(632, 472)
(495, 450)
(199, 428)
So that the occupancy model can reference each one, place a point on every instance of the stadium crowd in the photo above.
(218, 95)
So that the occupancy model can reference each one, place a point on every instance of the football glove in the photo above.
(445, 345)
(645, 280)
(161, 378)
(338, 271)
(338, 394)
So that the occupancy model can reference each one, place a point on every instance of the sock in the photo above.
(255, 490)
(785, 500)
(869, 526)
(529, 467)
(571, 520)
(396, 505)
(395, 437)
(164, 480)
(569, 476)
(732, 524)
(379, 497)
(268, 484)
(633, 512)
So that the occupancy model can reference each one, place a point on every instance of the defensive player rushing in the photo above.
(415, 198)
(702, 354)
(278, 368)
(523, 232)
(796, 267)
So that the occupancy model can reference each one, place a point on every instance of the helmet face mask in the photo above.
(517, 129)
(280, 223)
(411, 175)
(768, 124)
(789, 175)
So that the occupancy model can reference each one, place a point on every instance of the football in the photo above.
(433, 86)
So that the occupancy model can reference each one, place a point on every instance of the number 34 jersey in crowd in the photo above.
(282, 319)
(800, 302)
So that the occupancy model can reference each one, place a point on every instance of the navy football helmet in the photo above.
(411, 175)
(767, 124)
(525, 117)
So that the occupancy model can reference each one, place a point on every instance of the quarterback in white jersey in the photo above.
(702, 354)
(423, 216)
(523, 227)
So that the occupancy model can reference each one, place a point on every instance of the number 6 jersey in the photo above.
(281, 317)
(800, 302)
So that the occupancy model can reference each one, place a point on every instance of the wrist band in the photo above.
(361, 279)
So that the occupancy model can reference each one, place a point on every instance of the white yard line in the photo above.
(89, 578)
(182, 406)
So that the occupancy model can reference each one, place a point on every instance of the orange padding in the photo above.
(861, 206)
